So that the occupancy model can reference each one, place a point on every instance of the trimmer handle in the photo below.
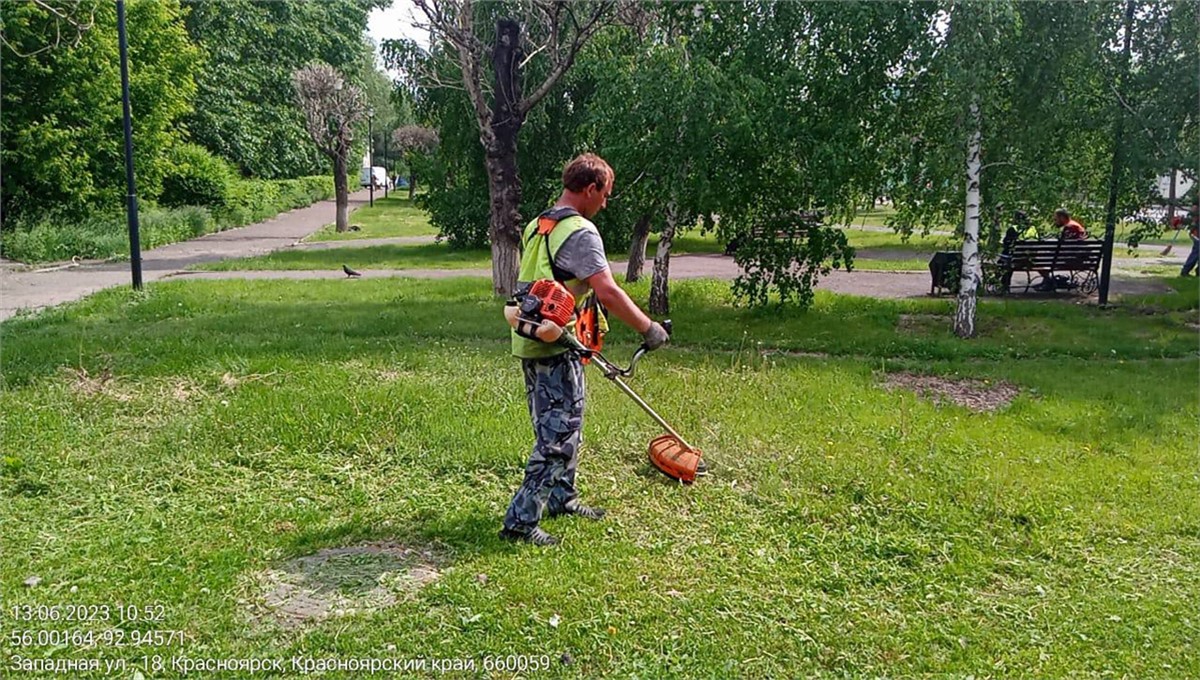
(641, 351)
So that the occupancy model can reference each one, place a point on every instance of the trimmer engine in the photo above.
(540, 310)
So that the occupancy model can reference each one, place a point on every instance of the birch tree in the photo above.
(1000, 109)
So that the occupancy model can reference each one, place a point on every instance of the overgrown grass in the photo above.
(845, 530)
(391, 216)
(106, 236)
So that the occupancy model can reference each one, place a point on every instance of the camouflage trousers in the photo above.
(554, 389)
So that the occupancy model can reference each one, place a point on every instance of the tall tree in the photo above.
(501, 38)
(332, 109)
(414, 142)
(244, 110)
(747, 112)
(62, 147)
(1004, 85)
(1156, 94)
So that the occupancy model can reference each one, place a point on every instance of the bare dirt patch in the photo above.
(338, 582)
(981, 396)
(923, 323)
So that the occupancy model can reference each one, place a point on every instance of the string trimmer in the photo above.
(669, 452)
(541, 312)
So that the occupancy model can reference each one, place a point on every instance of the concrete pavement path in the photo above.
(875, 284)
(22, 288)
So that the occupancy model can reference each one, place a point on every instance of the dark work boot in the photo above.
(535, 536)
(574, 507)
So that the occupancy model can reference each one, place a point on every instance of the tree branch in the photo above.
(582, 35)
(76, 15)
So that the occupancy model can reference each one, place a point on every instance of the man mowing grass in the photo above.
(572, 254)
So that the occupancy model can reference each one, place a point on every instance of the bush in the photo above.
(196, 177)
(57, 237)
(102, 237)
(162, 226)
(54, 238)
(460, 214)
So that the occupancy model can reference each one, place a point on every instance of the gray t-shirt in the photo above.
(582, 253)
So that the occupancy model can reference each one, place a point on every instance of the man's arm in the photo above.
(617, 301)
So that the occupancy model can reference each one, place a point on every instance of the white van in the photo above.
(365, 174)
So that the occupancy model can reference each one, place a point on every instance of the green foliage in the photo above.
(62, 147)
(55, 236)
(458, 213)
(783, 263)
(1048, 110)
(455, 178)
(244, 107)
(103, 236)
(745, 112)
(253, 200)
(196, 177)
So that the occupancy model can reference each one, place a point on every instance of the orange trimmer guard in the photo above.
(675, 460)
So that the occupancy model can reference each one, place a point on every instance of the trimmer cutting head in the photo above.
(669, 452)
(674, 458)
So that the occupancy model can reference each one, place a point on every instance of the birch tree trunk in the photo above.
(970, 276)
(637, 249)
(659, 285)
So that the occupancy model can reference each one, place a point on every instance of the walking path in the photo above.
(35, 289)
(21, 288)
(365, 242)
(875, 284)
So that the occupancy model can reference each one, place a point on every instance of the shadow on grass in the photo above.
(180, 326)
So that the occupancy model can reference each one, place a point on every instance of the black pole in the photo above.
(387, 174)
(371, 158)
(135, 246)
(1118, 161)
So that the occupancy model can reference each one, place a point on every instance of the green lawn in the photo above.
(391, 216)
(687, 243)
(892, 241)
(164, 447)
(416, 256)
(866, 264)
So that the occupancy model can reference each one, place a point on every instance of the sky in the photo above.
(394, 22)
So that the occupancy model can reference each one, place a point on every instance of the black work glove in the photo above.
(655, 336)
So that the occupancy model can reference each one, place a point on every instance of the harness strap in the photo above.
(547, 221)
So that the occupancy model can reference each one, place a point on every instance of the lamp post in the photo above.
(135, 246)
(370, 157)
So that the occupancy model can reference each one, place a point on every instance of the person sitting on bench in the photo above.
(1069, 230)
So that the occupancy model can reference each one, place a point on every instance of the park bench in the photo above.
(1078, 260)
(799, 222)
